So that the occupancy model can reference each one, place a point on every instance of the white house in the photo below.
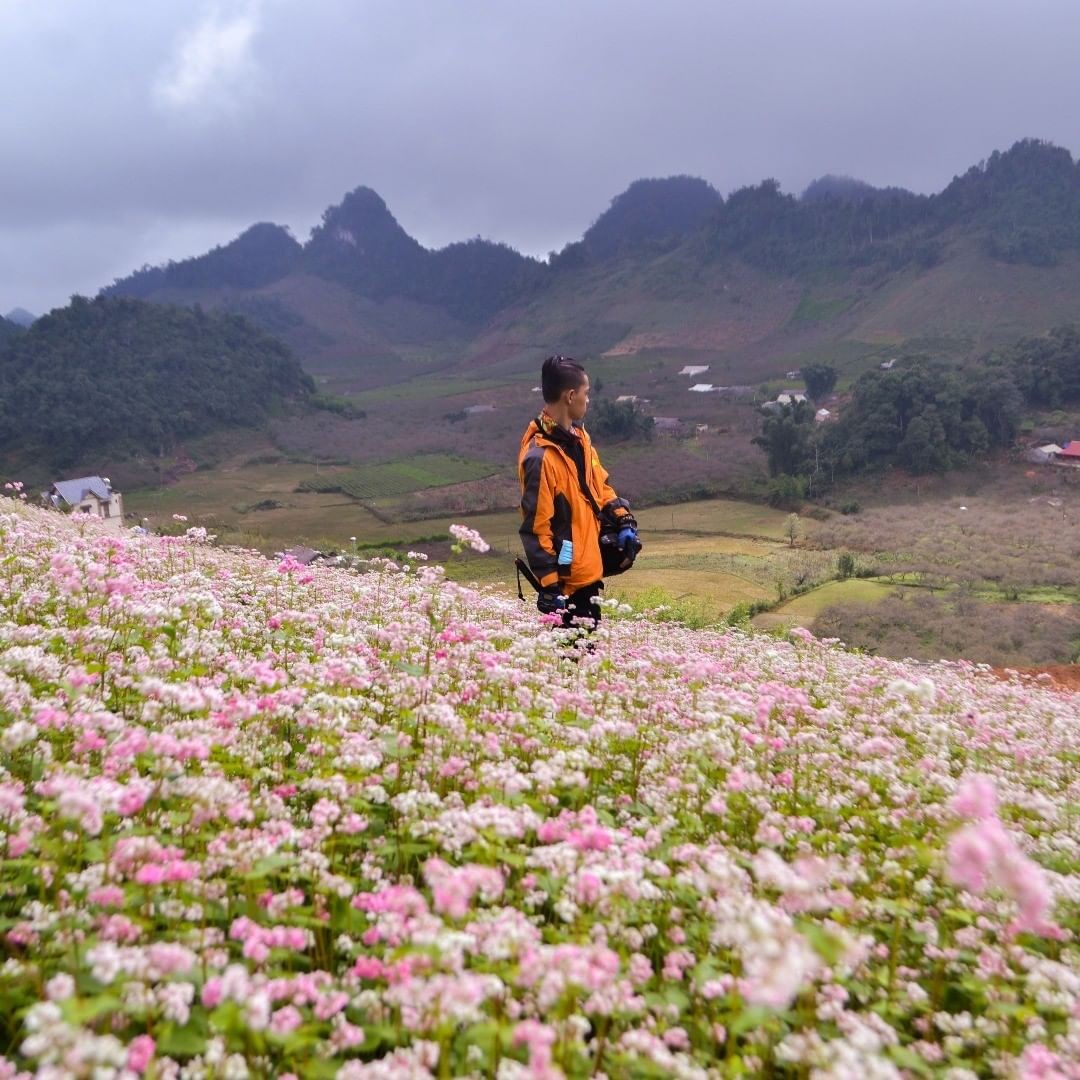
(694, 369)
(91, 495)
(1043, 455)
(702, 388)
(822, 415)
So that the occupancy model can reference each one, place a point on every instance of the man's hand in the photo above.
(629, 542)
(550, 601)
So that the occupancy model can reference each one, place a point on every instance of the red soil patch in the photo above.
(1059, 676)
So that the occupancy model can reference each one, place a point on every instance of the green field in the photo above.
(390, 478)
(804, 609)
(423, 388)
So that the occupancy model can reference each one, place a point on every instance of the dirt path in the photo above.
(1062, 676)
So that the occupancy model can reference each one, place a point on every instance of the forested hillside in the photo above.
(112, 373)
(755, 282)
(8, 330)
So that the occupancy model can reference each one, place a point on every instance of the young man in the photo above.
(566, 500)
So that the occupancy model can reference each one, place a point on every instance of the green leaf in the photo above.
(906, 1058)
(83, 1010)
(753, 1016)
(826, 945)
(267, 865)
(187, 1041)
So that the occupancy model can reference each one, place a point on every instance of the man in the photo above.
(567, 504)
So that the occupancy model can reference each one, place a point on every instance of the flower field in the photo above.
(258, 820)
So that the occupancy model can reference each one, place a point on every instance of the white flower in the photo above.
(470, 538)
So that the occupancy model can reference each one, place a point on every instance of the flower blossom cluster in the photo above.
(260, 819)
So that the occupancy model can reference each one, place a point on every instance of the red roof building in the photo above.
(1071, 450)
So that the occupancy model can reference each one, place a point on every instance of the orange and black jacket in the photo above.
(554, 466)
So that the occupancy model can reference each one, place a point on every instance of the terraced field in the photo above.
(401, 477)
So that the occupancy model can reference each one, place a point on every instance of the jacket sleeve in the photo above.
(610, 504)
(537, 511)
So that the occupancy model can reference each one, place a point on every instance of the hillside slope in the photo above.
(109, 374)
(754, 284)
(370, 824)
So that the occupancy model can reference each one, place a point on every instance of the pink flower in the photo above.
(976, 798)
(285, 1020)
(150, 874)
(140, 1053)
(1039, 1063)
(132, 801)
(107, 896)
(985, 854)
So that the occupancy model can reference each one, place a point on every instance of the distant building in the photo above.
(1069, 453)
(668, 425)
(737, 393)
(887, 365)
(622, 398)
(1043, 455)
(822, 415)
(694, 369)
(91, 495)
(702, 388)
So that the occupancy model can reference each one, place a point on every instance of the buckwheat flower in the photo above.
(235, 1068)
(60, 987)
(286, 1019)
(16, 734)
(975, 798)
(140, 1053)
(175, 999)
(467, 537)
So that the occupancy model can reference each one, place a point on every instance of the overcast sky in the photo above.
(133, 131)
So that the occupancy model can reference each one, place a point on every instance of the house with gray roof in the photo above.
(87, 495)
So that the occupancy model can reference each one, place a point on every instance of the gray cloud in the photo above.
(138, 131)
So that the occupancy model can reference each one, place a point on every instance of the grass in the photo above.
(813, 309)
(425, 389)
(804, 609)
(401, 477)
(715, 517)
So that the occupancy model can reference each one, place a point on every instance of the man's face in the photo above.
(578, 401)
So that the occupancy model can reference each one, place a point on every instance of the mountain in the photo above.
(755, 282)
(649, 213)
(111, 373)
(258, 256)
(9, 329)
(20, 316)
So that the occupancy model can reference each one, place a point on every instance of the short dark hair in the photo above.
(560, 373)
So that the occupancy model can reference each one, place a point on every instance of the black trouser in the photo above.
(580, 609)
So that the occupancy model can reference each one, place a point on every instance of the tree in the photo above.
(121, 374)
(619, 420)
(924, 449)
(793, 528)
(820, 380)
(786, 437)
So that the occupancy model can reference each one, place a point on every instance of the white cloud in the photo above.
(213, 63)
